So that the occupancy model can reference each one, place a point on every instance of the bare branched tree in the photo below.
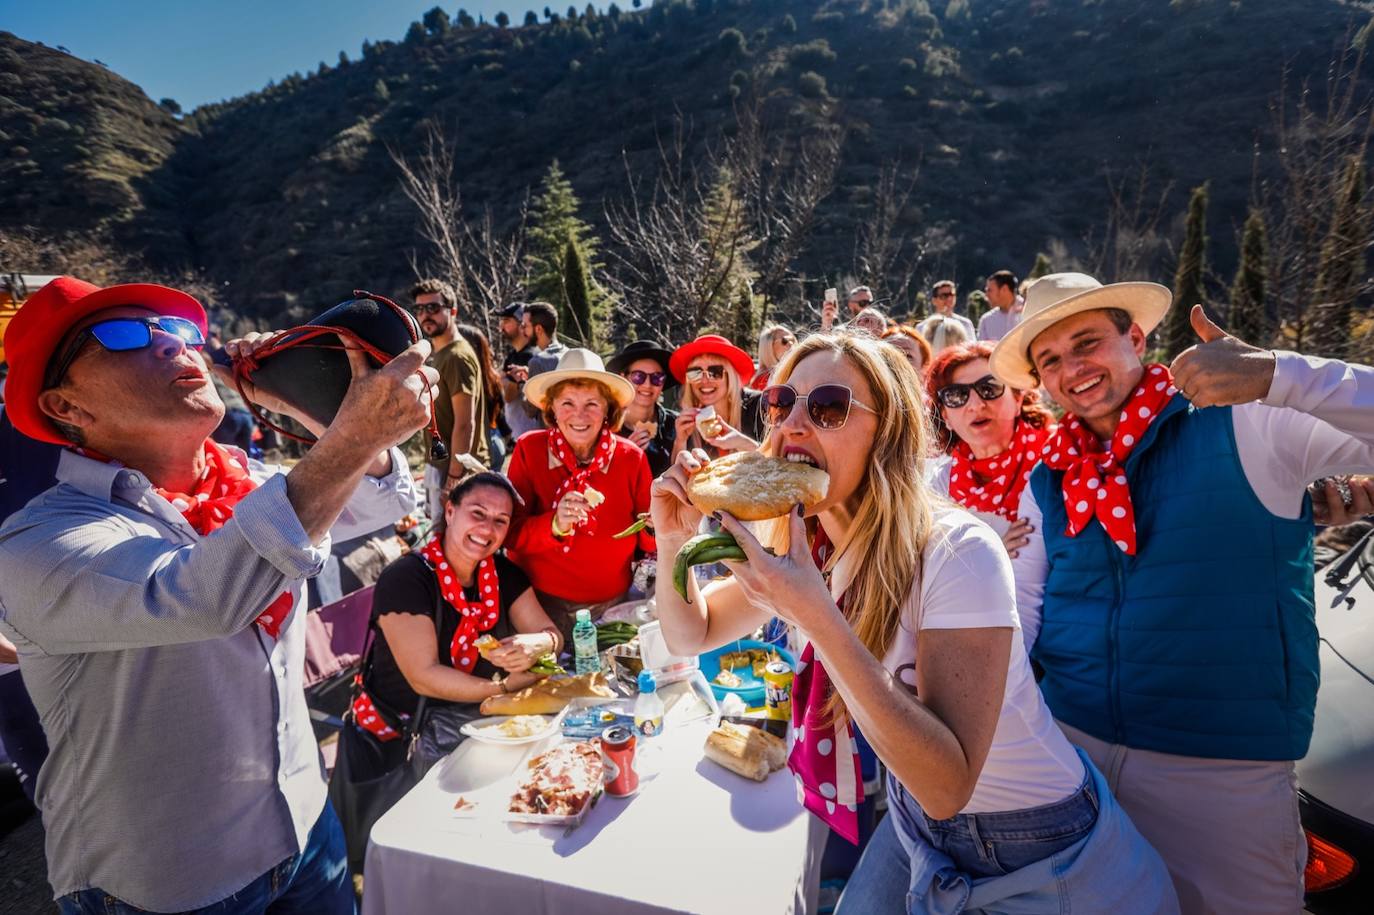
(485, 267)
(1316, 138)
(1131, 245)
(680, 246)
(429, 182)
(887, 255)
(783, 186)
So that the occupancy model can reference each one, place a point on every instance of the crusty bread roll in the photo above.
(754, 487)
(746, 751)
(548, 697)
(647, 426)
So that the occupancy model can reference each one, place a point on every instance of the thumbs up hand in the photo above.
(1221, 370)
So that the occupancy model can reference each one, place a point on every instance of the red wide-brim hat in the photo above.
(714, 345)
(34, 334)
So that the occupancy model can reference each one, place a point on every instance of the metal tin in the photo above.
(777, 690)
(618, 758)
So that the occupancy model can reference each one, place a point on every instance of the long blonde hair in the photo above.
(895, 516)
(733, 401)
(767, 337)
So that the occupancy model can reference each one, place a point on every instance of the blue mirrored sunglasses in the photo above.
(121, 335)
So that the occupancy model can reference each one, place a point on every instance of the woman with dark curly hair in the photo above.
(991, 434)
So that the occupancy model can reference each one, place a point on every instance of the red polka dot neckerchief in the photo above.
(579, 476)
(1095, 480)
(210, 505)
(474, 616)
(1002, 476)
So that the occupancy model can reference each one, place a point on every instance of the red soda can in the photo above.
(618, 761)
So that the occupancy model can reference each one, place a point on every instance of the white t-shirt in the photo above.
(966, 583)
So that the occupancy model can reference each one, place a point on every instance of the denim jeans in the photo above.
(21, 733)
(980, 844)
(314, 882)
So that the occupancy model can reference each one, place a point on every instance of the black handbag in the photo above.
(371, 775)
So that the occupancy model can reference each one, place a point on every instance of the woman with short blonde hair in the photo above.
(774, 342)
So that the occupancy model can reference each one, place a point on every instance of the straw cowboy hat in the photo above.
(582, 365)
(1056, 296)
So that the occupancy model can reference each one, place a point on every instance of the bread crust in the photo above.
(754, 487)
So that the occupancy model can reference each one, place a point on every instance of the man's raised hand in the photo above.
(1222, 369)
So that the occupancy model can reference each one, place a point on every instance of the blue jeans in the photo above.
(314, 882)
(980, 844)
(21, 733)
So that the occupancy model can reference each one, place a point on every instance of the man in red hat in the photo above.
(152, 595)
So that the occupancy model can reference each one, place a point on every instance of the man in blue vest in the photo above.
(1167, 591)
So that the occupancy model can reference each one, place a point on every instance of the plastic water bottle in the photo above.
(649, 706)
(584, 644)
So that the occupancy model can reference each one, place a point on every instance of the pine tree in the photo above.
(415, 34)
(554, 225)
(1042, 267)
(531, 17)
(502, 20)
(577, 315)
(435, 21)
(745, 328)
(1188, 278)
(1340, 272)
(1249, 318)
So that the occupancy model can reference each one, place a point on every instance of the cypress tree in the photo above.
(1340, 271)
(1188, 278)
(1041, 268)
(745, 324)
(577, 313)
(1249, 318)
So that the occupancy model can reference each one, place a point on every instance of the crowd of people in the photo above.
(1032, 542)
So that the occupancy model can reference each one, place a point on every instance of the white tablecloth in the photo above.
(697, 838)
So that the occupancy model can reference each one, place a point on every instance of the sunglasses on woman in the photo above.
(122, 335)
(827, 406)
(954, 396)
(654, 378)
(717, 372)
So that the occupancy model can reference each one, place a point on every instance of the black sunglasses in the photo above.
(122, 335)
(430, 308)
(827, 406)
(715, 371)
(654, 378)
(954, 396)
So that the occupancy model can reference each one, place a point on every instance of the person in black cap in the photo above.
(515, 370)
(648, 423)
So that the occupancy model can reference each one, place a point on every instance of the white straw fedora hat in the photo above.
(1056, 296)
(578, 364)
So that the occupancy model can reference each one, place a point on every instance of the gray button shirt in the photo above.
(182, 763)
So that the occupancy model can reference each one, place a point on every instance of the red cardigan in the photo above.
(594, 568)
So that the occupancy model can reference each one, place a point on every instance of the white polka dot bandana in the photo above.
(475, 616)
(1095, 480)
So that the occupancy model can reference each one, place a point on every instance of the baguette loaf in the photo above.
(548, 697)
(746, 751)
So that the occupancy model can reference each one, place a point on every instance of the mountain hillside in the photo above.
(1015, 112)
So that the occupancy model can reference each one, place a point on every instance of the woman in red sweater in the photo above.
(563, 538)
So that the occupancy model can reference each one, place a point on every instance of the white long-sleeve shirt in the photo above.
(1317, 420)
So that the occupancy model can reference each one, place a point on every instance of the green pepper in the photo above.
(633, 529)
(703, 549)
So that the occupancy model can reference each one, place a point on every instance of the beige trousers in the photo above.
(1228, 830)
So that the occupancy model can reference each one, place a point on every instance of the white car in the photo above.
(1336, 778)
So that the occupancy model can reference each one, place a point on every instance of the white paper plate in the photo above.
(487, 730)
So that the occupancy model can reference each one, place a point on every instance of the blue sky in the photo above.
(198, 52)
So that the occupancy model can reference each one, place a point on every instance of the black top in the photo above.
(27, 467)
(408, 586)
(519, 356)
(659, 450)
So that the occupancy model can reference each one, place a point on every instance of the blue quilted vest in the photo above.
(1202, 644)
